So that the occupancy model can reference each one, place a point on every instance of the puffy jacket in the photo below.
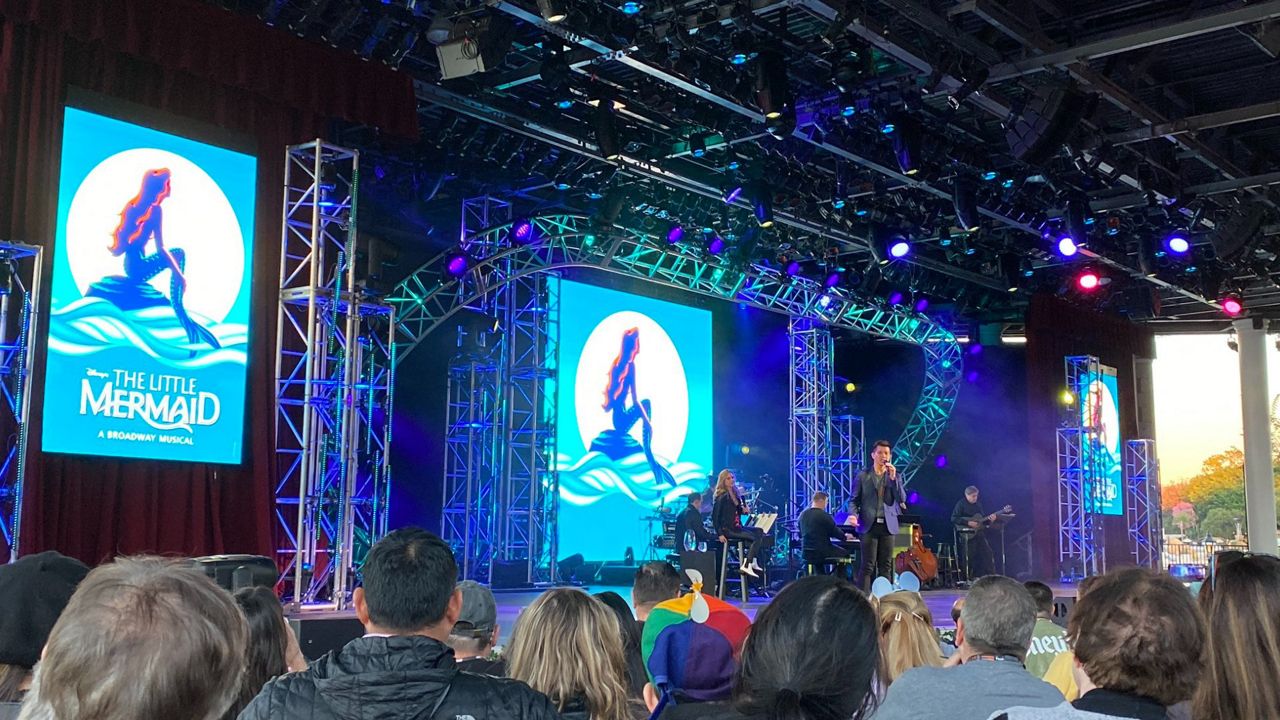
(395, 678)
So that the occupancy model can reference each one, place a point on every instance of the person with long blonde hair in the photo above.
(567, 645)
(726, 516)
(1242, 612)
(907, 638)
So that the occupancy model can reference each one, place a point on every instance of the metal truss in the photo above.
(848, 443)
(334, 377)
(1142, 509)
(1079, 455)
(20, 267)
(810, 348)
(429, 296)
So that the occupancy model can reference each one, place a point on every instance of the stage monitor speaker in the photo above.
(235, 572)
(511, 575)
(318, 634)
(616, 574)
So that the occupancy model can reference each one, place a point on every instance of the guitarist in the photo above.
(969, 515)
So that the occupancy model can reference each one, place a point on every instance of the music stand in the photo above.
(999, 523)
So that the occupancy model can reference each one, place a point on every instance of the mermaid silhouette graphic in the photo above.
(142, 223)
(622, 399)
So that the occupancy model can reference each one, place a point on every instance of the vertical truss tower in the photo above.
(1142, 506)
(811, 349)
(848, 443)
(1079, 467)
(19, 307)
(334, 379)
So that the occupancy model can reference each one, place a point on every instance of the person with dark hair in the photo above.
(971, 521)
(1061, 671)
(1049, 639)
(142, 637)
(33, 592)
(1139, 645)
(812, 654)
(817, 528)
(877, 499)
(1242, 610)
(272, 650)
(656, 582)
(987, 673)
(402, 667)
(476, 631)
(630, 639)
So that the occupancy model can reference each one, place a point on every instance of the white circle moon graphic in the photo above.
(197, 218)
(660, 379)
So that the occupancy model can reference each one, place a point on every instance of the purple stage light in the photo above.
(715, 246)
(1067, 246)
(457, 264)
(732, 194)
(899, 248)
(940, 461)
(895, 298)
(922, 304)
(833, 279)
(793, 268)
(675, 234)
(1177, 243)
(971, 376)
(913, 497)
(522, 231)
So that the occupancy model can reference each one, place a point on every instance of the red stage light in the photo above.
(1232, 306)
(1088, 280)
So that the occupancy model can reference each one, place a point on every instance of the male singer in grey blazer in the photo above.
(877, 499)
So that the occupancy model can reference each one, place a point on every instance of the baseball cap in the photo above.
(34, 591)
(479, 614)
(693, 651)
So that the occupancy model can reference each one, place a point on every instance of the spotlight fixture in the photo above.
(1066, 397)
(849, 64)
(1078, 219)
(716, 244)
(553, 11)
(762, 205)
(899, 248)
(1176, 242)
(731, 193)
(630, 7)
(675, 234)
(457, 263)
(1231, 305)
(698, 144)
(965, 200)
(832, 280)
(970, 81)
(522, 231)
(742, 47)
(793, 268)
(907, 139)
(1010, 271)
(1089, 280)
(773, 89)
(1067, 246)
(606, 131)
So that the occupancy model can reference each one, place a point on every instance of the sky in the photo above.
(1197, 398)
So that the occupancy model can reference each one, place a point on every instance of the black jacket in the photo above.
(691, 521)
(394, 678)
(724, 514)
(817, 528)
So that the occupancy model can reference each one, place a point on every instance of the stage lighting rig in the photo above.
(553, 11)
(762, 204)
(606, 131)
(965, 200)
(773, 87)
(907, 138)
(971, 80)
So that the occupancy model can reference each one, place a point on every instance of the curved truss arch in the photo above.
(429, 296)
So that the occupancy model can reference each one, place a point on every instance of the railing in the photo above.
(1181, 551)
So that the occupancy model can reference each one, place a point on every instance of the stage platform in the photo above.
(318, 631)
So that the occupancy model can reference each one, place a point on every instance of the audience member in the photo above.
(567, 645)
(1242, 612)
(141, 638)
(691, 648)
(1061, 672)
(630, 640)
(1049, 639)
(402, 666)
(907, 637)
(993, 633)
(655, 582)
(475, 633)
(33, 592)
(812, 654)
(1139, 644)
(272, 649)
(949, 648)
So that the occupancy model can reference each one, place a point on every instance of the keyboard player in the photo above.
(817, 530)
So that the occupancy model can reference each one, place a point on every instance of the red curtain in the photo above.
(1055, 330)
(200, 62)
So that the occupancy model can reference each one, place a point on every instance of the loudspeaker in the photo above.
(616, 574)
(235, 572)
(1047, 122)
(511, 575)
(318, 635)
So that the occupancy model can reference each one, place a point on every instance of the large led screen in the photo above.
(1100, 412)
(149, 316)
(634, 416)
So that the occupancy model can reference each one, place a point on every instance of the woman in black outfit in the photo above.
(726, 517)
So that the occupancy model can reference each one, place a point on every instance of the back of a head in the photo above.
(266, 655)
(409, 576)
(142, 638)
(33, 592)
(1243, 659)
(567, 645)
(907, 638)
(999, 617)
(818, 628)
(1041, 595)
(655, 582)
(1138, 631)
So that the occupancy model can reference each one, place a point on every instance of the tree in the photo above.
(1184, 516)
(1220, 522)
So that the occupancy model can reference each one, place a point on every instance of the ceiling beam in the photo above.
(1154, 34)
(1221, 118)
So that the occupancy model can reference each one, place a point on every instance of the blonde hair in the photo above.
(907, 637)
(722, 482)
(567, 645)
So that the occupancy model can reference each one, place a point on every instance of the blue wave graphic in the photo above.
(92, 325)
(596, 476)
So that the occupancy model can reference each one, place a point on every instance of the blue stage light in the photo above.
(1177, 243)
(732, 194)
(888, 128)
(715, 245)
(1067, 246)
(895, 298)
(793, 268)
(562, 185)
(833, 279)
(838, 203)
(457, 264)
(595, 194)
(922, 304)
(564, 104)
(899, 248)
(1007, 183)
(630, 7)
(990, 175)
(848, 110)
(738, 58)
(522, 231)
(860, 212)
(824, 301)
(675, 234)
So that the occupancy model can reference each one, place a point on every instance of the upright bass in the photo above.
(919, 559)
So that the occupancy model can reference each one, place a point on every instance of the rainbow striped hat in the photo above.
(691, 645)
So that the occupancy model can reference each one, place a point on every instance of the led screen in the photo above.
(634, 416)
(149, 316)
(1100, 412)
